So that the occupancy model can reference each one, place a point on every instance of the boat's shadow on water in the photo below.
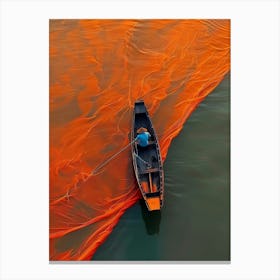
(151, 218)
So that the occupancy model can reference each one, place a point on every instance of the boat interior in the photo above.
(147, 160)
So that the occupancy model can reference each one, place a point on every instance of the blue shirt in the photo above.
(143, 139)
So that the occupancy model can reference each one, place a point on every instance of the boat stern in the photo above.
(153, 201)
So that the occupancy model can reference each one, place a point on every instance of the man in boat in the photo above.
(143, 136)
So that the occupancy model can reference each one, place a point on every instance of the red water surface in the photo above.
(98, 69)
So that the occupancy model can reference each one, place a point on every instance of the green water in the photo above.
(194, 224)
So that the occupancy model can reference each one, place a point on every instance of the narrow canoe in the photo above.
(147, 160)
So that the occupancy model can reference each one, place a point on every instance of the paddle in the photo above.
(110, 158)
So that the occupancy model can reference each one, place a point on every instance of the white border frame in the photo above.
(254, 143)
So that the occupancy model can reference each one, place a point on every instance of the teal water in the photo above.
(194, 224)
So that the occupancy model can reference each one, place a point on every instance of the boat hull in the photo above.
(147, 160)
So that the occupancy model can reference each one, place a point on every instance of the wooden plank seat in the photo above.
(153, 194)
(150, 170)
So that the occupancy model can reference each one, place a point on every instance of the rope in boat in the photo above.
(141, 159)
(112, 157)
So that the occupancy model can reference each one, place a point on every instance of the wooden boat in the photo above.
(147, 160)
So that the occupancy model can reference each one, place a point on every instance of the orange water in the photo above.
(98, 69)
